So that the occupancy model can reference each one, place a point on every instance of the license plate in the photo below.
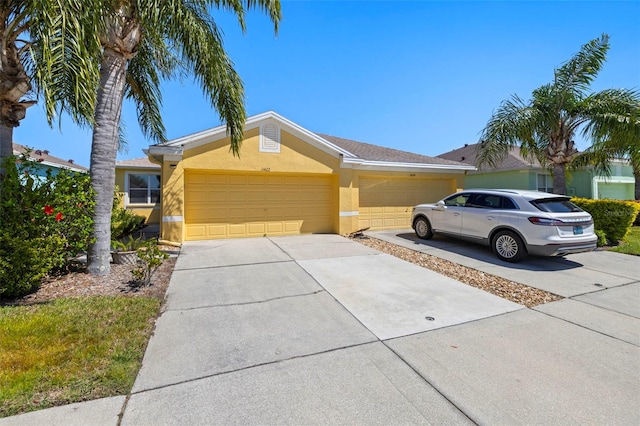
(577, 230)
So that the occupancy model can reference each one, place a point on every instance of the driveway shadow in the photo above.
(483, 253)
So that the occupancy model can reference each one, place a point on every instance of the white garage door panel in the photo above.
(615, 190)
(223, 206)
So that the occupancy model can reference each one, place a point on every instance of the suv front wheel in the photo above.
(508, 246)
(423, 228)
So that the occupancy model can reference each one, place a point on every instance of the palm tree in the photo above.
(146, 41)
(545, 126)
(43, 51)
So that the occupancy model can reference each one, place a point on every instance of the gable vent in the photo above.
(270, 138)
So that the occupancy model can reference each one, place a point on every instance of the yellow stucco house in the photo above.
(288, 180)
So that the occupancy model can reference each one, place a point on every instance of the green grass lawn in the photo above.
(71, 350)
(631, 243)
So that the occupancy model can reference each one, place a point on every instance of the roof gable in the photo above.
(351, 153)
(217, 133)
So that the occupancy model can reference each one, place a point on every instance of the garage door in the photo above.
(386, 203)
(615, 191)
(227, 206)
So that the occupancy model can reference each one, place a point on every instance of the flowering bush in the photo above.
(45, 221)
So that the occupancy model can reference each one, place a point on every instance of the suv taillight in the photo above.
(546, 221)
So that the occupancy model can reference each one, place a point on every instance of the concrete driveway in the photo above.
(322, 330)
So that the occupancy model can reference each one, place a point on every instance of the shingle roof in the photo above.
(514, 161)
(371, 152)
(45, 157)
(141, 163)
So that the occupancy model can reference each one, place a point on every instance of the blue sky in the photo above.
(421, 76)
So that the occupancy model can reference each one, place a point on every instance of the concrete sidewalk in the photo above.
(322, 330)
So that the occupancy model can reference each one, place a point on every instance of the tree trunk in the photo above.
(104, 149)
(6, 146)
(558, 172)
(636, 174)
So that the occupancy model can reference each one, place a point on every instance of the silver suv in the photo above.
(513, 223)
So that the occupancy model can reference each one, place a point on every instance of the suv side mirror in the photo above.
(440, 205)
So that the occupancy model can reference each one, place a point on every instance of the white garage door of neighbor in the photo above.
(615, 190)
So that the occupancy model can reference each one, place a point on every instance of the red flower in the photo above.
(48, 210)
(59, 217)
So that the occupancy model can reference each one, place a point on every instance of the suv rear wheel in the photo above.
(423, 228)
(508, 246)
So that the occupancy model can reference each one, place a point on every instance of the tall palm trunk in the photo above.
(6, 145)
(560, 152)
(636, 174)
(104, 148)
(15, 85)
(559, 184)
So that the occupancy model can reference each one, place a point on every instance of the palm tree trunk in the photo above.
(104, 149)
(558, 172)
(636, 174)
(6, 146)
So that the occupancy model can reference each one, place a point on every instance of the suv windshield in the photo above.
(556, 205)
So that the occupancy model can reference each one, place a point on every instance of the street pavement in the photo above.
(319, 329)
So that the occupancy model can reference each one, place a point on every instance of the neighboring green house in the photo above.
(48, 161)
(516, 172)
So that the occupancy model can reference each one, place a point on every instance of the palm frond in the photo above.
(143, 87)
(64, 54)
(513, 124)
(271, 7)
(576, 75)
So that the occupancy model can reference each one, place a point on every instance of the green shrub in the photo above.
(24, 262)
(602, 238)
(151, 258)
(613, 217)
(123, 221)
(637, 221)
(45, 218)
(127, 244)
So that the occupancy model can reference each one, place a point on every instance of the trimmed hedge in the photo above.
(637, 221)
(613, 217)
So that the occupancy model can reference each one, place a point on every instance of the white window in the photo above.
(545, 183)
(143, 188)
(269, 138)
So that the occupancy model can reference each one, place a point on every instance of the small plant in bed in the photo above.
(150, 258)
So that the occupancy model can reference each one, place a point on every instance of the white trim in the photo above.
(360, 164)
(167, 153)
(167, 219)
(211, 135)
(126, 201)
(347, 214)
(59, 166)
(348, 159)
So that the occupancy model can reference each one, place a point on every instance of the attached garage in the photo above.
(615, 190)
(290, 181)
(386, 203)
(219, 205)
